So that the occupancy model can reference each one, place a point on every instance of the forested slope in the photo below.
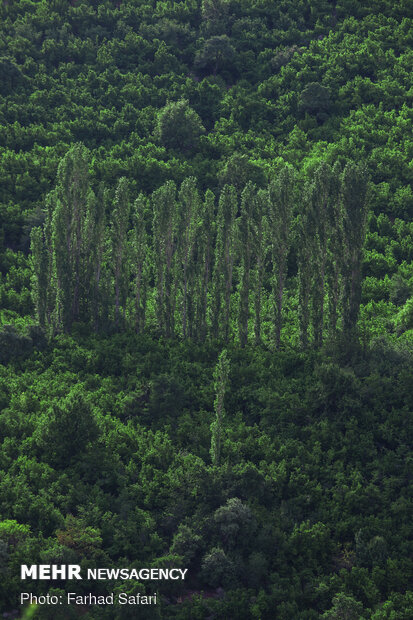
(291, 81)
(179, 178)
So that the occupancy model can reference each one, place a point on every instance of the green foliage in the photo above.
(10, 75)
(217, 429)
(178, 126)
(215, 15)
(234, 522)
(66, 430)
(280, 208)
(112, 469)
(315, 100)
(83, 540)
(217, 568)
(13, 344)
(238, 170)
(120, 225)
(216, 55)
(404, 318)
(345, 608)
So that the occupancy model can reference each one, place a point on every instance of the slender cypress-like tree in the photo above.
(105, 318)
(73, 193)
(334, 250)
(280, 206)
(260, 235)
(164, 244)
(224, 262)
(120, 225)
(39, 281)
(217, 291)
(354, 184)
(321, 196)
(62, 268)
(230, 205)
(141, 262)
(68, 246)
(50, 202)
(204, 254)
(221, 374)
(92, 241)
(305, 251)
(245, 230)
(97, 240)
(188, 224)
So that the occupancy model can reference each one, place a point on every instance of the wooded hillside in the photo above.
(206, 304)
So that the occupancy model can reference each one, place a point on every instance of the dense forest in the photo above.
(206, 305)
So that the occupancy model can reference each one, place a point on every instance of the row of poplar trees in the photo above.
(198, 267)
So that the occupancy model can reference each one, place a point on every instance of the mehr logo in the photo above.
(50, 571)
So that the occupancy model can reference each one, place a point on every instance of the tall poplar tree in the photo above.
(164, 244)
(354, 184)
(221, 374)
(69, 249)
(97, 237)
(245, 231)
(39, 280)
(61, 267)
(204, 248)
(224, 262)
(73, 193)
(305, 237)
(260, 235)
(51, 280)
(280, 207)
(140, 262)
(91, 250)
(188, 223)
(308, 259)
(120, 225)
(321, 196)
(335, 250)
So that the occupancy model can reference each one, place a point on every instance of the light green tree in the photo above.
(245, 234)
(334, 251)
(140, 261)
(354, 185)
(119, 258)
(39, 280)
(260, 236)
(188, 224)
(224, 262)
(70, 242)
(221, 374)
(321, 196)
(279, 212)
(204, 241)
(164, 245)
